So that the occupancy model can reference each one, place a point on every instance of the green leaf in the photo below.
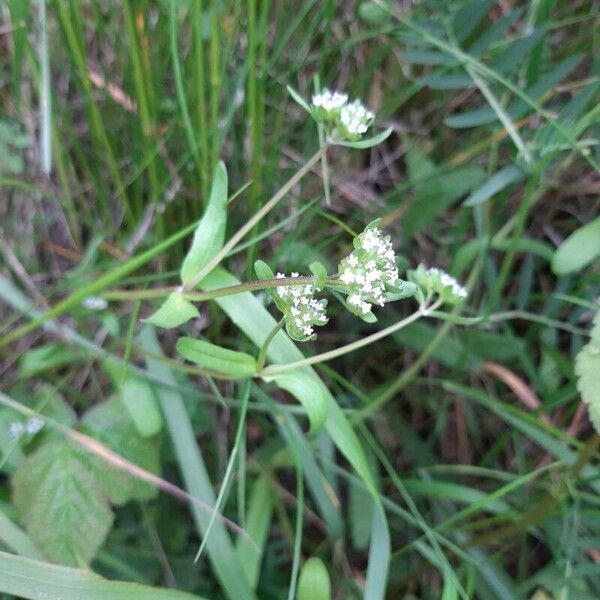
(298, 98)
(174, 311)
(314, 583)
(110, 424)
(372, 13)
(48, 402)
(258, 521)
(309, 393)
(367, 142)
(224, 362)
(496, 183)
(63, 507)
(210, 234)
(263, 270)
(139, 400)
(50, 356)
(587, 368)
(578, 250)
(320, 273)
(34, 580)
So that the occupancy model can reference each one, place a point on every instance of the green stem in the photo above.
(424, 311)
(256, 218)
(258, 284)
(262, 355)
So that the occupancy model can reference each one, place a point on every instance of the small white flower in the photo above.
(356, 118)
(16, 429)
(95, 303)
(449, 282)
(300, 309)
(329, 101)
(368, 270)
(34, 425)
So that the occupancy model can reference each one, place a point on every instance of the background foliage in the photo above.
(471, 432)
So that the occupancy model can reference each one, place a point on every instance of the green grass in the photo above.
(433, 476)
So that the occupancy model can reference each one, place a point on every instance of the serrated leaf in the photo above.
(139, 400)
(314, 582)
(48, 402)
(367, 142)
(61, 504)
(587, 368)
(298, 98)
(222, 361)
(174, 311)
(578, 250)
(210, 233)
(110, 424)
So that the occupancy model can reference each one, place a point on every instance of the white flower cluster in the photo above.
(448, 281)
(437, 281)
(356, 118)
(348, 119)
(31, 426)
(300, 308)
(369, 270)
(329, 101)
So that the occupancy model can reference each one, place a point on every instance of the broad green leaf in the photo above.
(48, 402)
(36, 580)
(578, 250)
(110, 423)
(308, 391)
(61, 504)
(495, 184)
(258, 522)
(587, 368)
(139, 400)
(367, 142)
(174, 311)
(314, 582)
(50, 356)
(222, 361)
(210, 234)
(298, 98)
(379, 554)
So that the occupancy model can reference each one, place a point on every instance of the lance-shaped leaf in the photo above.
(174, 311)
(221, 362)
(366, 142)
(210, 234)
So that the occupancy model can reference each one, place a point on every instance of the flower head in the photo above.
(355, 119)
(436, 281)
(370, 271)
(329, 103)
(343, 119)
(301, 310)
